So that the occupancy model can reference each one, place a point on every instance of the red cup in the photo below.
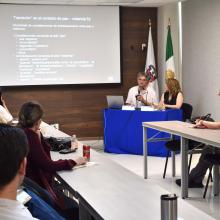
(86, 152)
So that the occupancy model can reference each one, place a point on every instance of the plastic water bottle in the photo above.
(74, 142)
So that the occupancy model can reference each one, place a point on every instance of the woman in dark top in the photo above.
(172, 98)
(40, 166)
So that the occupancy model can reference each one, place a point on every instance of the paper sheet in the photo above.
(88, 164)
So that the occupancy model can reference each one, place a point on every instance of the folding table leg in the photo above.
(184, 167)
(173, 163)
(216, 180)
(145, 151)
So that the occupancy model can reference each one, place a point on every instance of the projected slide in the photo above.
(50, 45)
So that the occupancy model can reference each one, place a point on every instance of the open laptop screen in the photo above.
(115, 101)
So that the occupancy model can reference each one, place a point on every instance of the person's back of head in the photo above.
(13, 152)
(29, 114)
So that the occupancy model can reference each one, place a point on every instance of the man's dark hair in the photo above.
(13, 149)
(29, 114)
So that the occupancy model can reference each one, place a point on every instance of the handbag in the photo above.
(206, 117)
(58, 144)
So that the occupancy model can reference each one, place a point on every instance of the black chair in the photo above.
(38, 190)
(173, 146)
(214, 160)
(187, 111)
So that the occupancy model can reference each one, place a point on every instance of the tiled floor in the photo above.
(134, 163)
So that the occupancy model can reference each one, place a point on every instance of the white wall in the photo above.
(201, 55)
(164, 13)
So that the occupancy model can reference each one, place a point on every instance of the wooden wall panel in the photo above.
(78, 109)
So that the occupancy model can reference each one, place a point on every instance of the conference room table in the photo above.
(108, 191)
(123, 130)
(185, 131)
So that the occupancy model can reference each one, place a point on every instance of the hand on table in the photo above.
(155, 105)
(199, 124)
(81, 160)
(198, 121)
(161, 107)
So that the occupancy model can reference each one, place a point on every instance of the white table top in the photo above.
(207, 136)
(116, 193)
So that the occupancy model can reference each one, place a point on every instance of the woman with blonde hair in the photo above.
(172, 98)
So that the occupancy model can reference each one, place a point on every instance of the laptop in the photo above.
(115, 101)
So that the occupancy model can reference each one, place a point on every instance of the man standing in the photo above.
(13, 152)
(141, 94)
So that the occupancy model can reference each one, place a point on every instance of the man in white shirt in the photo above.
(141, 94)
(13, 152)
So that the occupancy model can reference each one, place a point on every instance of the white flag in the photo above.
(150, 63)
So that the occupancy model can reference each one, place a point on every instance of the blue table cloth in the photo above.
(123, 132)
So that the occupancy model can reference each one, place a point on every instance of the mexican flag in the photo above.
(169, 51)
(150, 68)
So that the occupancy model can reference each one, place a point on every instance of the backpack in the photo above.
(206, 117)
(58, 144)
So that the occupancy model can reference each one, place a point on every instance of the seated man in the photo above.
(197, 174)
(13, 152)
(141, 94)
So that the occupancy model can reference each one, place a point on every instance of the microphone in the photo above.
(139, 92)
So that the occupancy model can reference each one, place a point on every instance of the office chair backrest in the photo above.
(187, 111)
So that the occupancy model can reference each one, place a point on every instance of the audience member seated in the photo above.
(141, 94)
(13, 152)
(40, 167)
(5, 115)
(172, 98)
(41, 205)
(197, 174)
